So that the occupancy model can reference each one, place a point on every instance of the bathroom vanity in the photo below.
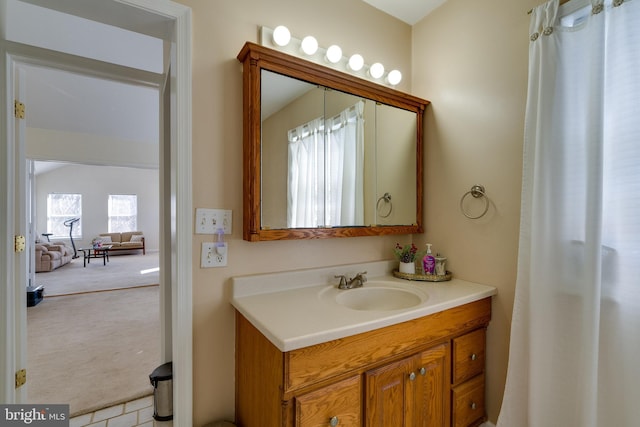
(392, 353)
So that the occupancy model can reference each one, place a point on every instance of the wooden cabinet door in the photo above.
(412, 392)
(337, 404)
(431, 388)
(388, 391)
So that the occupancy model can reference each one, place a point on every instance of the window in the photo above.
(123, 212)
(61, 210)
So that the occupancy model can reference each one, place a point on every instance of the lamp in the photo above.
(334, 54)
(281, 35)
(376, 70)
(356, 62)
(308, 48)
(309, 45)
(394, 77)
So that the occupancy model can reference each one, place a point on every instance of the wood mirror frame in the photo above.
(256, 58)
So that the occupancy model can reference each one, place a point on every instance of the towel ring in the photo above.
(387, 199)
(476, 191)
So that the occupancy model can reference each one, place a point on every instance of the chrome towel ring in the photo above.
(476, 191)
(387, 199)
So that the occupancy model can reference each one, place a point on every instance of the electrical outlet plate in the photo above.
(208, 221)
(213, 255)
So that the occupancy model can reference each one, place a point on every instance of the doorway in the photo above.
(115, 326)
(175, 207)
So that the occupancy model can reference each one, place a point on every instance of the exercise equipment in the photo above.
(69, 223)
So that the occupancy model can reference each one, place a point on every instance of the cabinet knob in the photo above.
(334, 421)
(474, 356)
(423, 371)
(412, 376)
(473, 405)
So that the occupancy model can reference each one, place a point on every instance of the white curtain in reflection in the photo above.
(305, 189)
(325, 176)
(576, 317)
(345, 155)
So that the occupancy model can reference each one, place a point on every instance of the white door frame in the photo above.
(176, 238)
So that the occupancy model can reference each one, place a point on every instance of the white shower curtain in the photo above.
(325, 172)
(575, 333)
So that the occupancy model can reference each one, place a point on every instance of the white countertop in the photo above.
(297, 309)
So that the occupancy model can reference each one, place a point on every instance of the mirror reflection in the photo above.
(332, 159)
(395, 171)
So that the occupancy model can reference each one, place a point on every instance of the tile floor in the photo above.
(137, 413)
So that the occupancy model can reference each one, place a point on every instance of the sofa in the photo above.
(125, 241)
(50, 256)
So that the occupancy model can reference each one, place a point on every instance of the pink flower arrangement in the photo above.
(406, 253)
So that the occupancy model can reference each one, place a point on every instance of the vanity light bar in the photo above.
(281, 39)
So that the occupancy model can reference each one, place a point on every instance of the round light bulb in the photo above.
(376, 70)
(281, 35)
(394, 77)
(309, 45)
(356, 62)
(334, 54)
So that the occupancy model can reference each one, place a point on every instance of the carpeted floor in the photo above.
(122, 271)
(93, 350)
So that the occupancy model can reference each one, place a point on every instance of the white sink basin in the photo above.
(378, 298)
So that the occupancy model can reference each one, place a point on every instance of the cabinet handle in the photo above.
(474, 356)
(423, 371)
(334, 421)
(412, 376)
(473, 405)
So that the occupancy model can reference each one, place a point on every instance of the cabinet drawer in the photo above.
(468, 402)
(339, 401)
(468, 355)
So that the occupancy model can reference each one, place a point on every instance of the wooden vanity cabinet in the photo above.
(396, 376)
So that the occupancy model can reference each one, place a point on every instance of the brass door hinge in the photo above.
(21, 377)
(19, 243)
(18, 109)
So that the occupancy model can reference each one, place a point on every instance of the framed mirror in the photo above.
(326, 154)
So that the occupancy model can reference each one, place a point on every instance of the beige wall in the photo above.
(468, 57)
(470, 61)
(220, 28)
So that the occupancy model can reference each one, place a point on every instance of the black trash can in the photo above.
(162, 381)
(34, 295)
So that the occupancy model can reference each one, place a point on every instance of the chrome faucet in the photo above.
(358, 281)
(354, 282)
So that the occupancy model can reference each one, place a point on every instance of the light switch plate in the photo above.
(213, 255)
(209, 220)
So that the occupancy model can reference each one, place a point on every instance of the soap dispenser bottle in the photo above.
(428, 262)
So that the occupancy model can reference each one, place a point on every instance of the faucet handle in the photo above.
(362, 276)
(343, 281)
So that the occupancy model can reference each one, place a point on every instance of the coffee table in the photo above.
(101, 252)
